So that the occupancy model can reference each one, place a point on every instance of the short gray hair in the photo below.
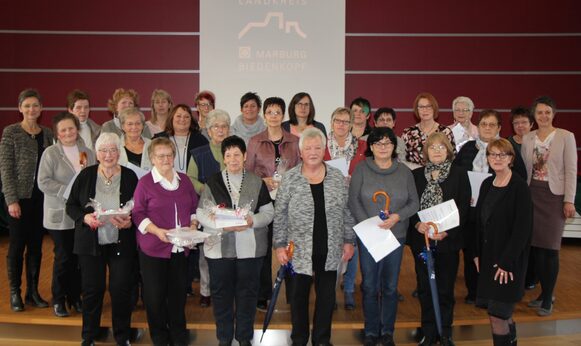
(312, 132)
(107, 138)
(463, 99)
(217, 115)
(131, 111)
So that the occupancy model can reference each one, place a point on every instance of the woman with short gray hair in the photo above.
(135, 145)
(462, 109)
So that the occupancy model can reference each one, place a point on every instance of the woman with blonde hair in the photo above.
(161, 105)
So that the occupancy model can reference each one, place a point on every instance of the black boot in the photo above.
(32, 297)
(501, 340)
(14, 267)
(512, 333)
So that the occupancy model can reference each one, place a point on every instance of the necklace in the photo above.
(430, 130)
(181, 165)
(235, 199)
(502, 183)
(107, 179)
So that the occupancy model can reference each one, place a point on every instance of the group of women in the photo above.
(277, 170)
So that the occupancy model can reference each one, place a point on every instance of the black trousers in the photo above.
(66, 275)
(234, 285)
(324, 305)
(121, 282)
(164, 294)
(446, 267)
(26, 232)
(265, 291)
(470, 274)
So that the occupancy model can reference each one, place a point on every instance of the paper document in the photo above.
(140, 172)
(461, 136)
(445, 215)
(340, 164)
(67, 192)
(378, 241)
(476, 179)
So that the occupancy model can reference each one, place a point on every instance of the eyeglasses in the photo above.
(489, 125)
(273, 113)
(425, 107)
(497, 156)
(341, 122)
(220, 127)
(204, 104)
(162, 157)
(463, 110)
(383, 144)
(109, 151)
(437, 147)
(303, 105)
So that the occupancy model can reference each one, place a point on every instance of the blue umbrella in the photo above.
(428, 257)
(280, 275)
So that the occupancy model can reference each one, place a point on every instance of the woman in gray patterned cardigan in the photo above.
(311, 211)
(20, 151)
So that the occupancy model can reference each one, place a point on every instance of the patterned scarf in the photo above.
(348, 151)
(480, 164)
(433, 194)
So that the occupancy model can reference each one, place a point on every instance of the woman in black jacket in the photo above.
(504, 216)
(438, 182)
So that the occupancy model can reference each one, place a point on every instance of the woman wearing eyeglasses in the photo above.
(414, 137)
(301, 112)
(504, 217)
(551, 162)
(438, 182)
(463, 108)
(270, 154)
(205, 103)
(206, 161)
(472, 157)
(382, 171)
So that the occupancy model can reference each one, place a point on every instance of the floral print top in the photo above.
(414, 140)
(541, 153)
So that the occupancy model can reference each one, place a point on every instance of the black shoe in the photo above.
(102, 334)
(370, 340)
(87, 343)
(16, 303)
(262, 305)
(386, 340)
(470, 300)
(124, 343)
(224, 343)
(136, 334)
(34, 299)
(205, 301)
(60, 310)
(190, 292)
(245, 343)
(447, 341)
(529, 287)
(77, 306)
(426, 342)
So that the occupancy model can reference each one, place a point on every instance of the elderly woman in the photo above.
(426, 111)
(104, 246)
(472, 157)
(437, 182)
(301, 113)
(183, 130)
(205, 103)
(522, 123)
(463, 108)
(504, 227)
(161, 105)
(248, 124)
(550, 156)
(208, 160)
(58, 166)
(134, 143)
(311, 211)
(236, 260)
(270, 154)
(21, 148)
(78, 105)
(361, 109)
(342, 143)
(382, 171)
(122, 99)
(164, 199)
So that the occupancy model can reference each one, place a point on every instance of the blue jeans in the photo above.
(349, 276)
(379, 291)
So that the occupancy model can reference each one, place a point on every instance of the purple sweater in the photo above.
(159, 205)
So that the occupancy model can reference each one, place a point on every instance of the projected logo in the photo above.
(287, 26)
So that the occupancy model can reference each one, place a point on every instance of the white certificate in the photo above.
(461, 136)
(476, 179)
(378, 241)
(444, 215)
(340, 164)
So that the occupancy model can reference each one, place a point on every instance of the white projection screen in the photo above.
(274, 48)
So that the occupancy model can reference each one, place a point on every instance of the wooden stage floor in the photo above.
(567, 306)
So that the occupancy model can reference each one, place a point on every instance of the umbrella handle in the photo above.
(387, 199)
(427, 236)
(290, 250)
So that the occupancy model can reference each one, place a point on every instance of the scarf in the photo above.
(240, 129)
(480, 164)
(348, 151)
(433, 194)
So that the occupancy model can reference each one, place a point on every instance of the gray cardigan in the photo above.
(399, 184)
(18, 157)
(295, 213)
(54, 175)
